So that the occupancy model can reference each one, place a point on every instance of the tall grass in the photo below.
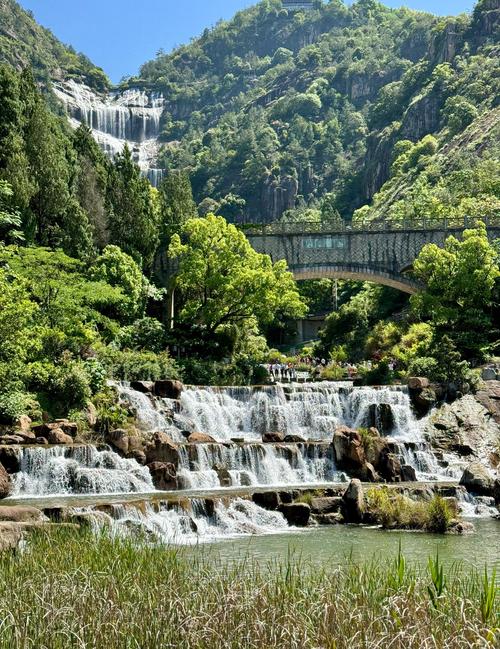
(66, 590)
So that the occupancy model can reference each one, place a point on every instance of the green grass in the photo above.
(66, 590)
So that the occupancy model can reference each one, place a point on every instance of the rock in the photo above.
(23, 424)
(119, 440)
(330, 519)
(21, 514)
(390, 467)
(41, 440)
(10, 459)
(418, 383)
(370, 475)
(489, 397)
(496, 492)
(326, 505)
(162, 449)
(164, 475)
(11, 440)
(273, 438)
(57, 436)
(296, 514)
(146, 387)
(4, 482)
(201, 438)
(294, 439)
(489, 374)
(380, 416)
(408, 473)
(28, 438)
(353, 502)
(476, 478)
(286, 497)
(348, 449)
(88, 519)
(224, 476)
(136, 449)
(68, 427)
(461, 527)
(238, 440)
(11, 535)
(452, 503)
(168, 389)
(268, 500)
(423, 400)
(90, 414)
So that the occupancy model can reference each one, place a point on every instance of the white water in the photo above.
(256, 464)
(131, 117)
(311, 411)
(78, 470)
(178, 526)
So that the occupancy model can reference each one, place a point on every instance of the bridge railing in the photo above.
(361, 225)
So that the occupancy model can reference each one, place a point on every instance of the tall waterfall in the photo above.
(78, 470)
(131, 117)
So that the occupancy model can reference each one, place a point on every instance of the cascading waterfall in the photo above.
(130, 117)
(78, 470)
(207, 466)
(173, 524)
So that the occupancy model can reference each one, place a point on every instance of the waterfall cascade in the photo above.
(236, 419)
(131, 117)
(78, 470)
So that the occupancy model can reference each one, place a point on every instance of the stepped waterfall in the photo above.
(129, 117)
(209, 475)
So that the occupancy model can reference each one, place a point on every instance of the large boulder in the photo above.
(146, 387)
(496, 492)
(381, 416)
(268, 500)
(200, 438)
(273, 438)
(348, 449)
(390, 467)
(60, 425)
(23, 425)
(418, 383)
(68, 427)
(22, 514)
(4, 483)
(168, 389)
(118, 439)
(294, 439)
(58, 436)
(477, 479)
(10, 459)
(164, 475)
(408, 473)
(296, 514)
(423, 399)
(326, 505)
(162, 449)
(353, 502)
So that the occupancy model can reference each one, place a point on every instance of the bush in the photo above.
(13, 405)
(129, 365)
(146, 334)
(439, 515)
(110, 414)
(332, 373)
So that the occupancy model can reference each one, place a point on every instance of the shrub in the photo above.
(439, 515)
(146, 334)
(130, 365)
(13, 405)
(332, 373)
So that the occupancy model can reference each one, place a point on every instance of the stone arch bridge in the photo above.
(378, 251)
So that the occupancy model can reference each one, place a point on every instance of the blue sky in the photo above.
(120, 35)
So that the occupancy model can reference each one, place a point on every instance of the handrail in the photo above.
(421, 223)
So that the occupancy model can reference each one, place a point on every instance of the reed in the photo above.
(65, 590)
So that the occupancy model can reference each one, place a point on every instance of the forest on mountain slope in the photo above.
(23, 42)
(302, 115)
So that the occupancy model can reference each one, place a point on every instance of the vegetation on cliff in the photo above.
(25, 43)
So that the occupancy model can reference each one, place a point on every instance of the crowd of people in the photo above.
(286, 371)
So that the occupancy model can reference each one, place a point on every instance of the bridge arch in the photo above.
(358, 274)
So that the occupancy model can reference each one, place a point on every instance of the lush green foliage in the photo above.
(226, 287)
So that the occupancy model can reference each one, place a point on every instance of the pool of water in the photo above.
(334, 545)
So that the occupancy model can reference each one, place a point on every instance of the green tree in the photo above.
(132, 223)
(223, 281)
(10, 219)
(458, 298)
(176, 204)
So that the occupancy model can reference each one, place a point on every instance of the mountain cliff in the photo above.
(302, 113)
